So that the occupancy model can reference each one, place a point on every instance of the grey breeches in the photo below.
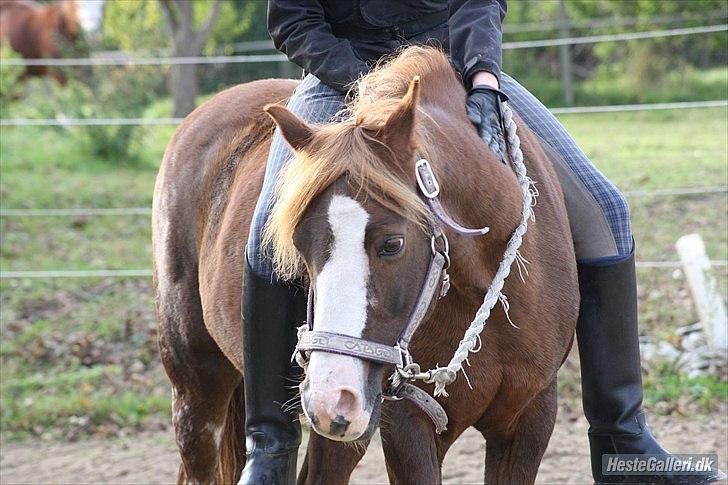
(598, 212)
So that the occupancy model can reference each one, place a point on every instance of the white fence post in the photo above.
(709, 303)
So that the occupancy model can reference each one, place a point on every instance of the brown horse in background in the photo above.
(37, 31)
(204, 198)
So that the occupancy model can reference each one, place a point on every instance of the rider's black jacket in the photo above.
(337, 40)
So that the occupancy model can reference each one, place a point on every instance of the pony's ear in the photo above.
(397, 130)
(297, 132)
(69, 9)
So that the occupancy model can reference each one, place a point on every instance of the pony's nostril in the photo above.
(346, 403)
(339, 426)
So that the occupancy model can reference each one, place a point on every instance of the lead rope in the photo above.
(443, 376)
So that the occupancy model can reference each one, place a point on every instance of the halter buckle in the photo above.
(445, 286)
(404, 356)
(426, 179)
(445, 251)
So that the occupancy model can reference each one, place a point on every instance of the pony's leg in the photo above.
(203, 381)
(411, 451)
(330, 461)
(59, 77)
(516, 458)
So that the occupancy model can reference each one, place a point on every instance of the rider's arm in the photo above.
(300, 30)
(484, 78)
(475, 36)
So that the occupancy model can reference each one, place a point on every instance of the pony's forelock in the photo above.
(349, 148)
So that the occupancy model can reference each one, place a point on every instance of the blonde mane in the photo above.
(349, 148)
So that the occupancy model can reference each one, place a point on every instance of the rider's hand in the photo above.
(484, 111)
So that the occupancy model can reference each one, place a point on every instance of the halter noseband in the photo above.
(398, 355)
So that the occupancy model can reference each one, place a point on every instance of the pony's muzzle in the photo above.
(333, 397)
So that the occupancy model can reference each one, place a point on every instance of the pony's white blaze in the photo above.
(335, 382)
(341, 286)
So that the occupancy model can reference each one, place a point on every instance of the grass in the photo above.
(659, 150)
(79, 355)
(656, 149)
(93, 401)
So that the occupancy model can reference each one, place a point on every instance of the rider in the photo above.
(336, 42)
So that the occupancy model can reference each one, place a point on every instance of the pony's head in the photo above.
(348, 213)
(63, 16)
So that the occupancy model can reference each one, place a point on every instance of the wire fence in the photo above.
(595, 39)
(722, 189)
(147, 211)
(123, 59)
(508, 28)
(97, 273)
(718, 103)
(146, 273)
(621, 108)
(76, 212)
(612, 22)
(258, 58)
(90, 121)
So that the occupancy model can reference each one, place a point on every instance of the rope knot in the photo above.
(442, 376)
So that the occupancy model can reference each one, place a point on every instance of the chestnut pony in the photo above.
(350, 220)
(37, 31)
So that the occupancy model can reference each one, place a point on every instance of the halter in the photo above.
(398, 355)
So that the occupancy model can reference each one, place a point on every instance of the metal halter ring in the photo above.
(446, 248)
(404, 356)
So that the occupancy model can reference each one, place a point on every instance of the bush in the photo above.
(10, 84)
(121, 92)
(104, 92)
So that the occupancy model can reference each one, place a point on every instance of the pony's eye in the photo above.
(392, 246)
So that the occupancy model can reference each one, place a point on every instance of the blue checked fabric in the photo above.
(315, 102)
(544, 124)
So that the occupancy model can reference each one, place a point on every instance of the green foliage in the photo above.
(607, 88)
(120, 92)
(139, 25)
(643, 65)
(82, 400)
(236, 18)
(134, 26)
(123, 92)
(9, 77)
(676, 390)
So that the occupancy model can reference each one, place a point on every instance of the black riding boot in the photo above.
(270, 313)
(611, 379)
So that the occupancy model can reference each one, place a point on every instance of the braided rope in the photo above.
(442, 376)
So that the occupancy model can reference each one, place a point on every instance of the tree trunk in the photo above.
(183, 82)
(185, 89)
(565, 56)
(188, 42)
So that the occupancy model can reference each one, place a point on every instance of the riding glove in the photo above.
(484, 111)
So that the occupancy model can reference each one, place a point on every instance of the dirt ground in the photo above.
(152, 458)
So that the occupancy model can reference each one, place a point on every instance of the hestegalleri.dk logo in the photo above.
(683, 464)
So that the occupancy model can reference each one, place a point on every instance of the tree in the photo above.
(187, 41)
(140, 29)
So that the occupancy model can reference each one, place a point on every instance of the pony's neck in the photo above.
(477, 190)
